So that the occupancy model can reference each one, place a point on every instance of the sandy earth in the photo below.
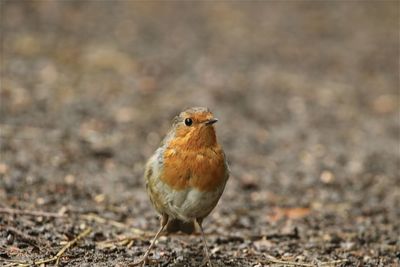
(307, 96)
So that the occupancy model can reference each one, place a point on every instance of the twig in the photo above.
(294, 263)
(332, 263)
(12, 262)
(125, 241)
(58, 256)
(97, 218)
(32, 213)
(73, 242)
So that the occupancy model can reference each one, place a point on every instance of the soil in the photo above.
(307, 97)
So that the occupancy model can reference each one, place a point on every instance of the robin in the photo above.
(186, 175)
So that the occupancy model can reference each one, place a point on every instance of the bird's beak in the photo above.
(211, 121)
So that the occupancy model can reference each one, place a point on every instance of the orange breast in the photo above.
(203, 169)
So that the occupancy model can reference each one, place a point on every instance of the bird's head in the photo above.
(194, 128)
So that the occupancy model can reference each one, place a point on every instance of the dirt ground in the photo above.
(307, 96)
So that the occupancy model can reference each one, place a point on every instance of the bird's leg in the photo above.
(207, 252)
(144, 259)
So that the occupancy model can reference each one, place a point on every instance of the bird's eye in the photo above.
(188, 121)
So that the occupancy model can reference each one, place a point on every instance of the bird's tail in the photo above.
(176, 225)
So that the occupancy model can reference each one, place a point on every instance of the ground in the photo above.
(307, 97)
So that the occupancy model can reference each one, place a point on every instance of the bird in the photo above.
(186, 176)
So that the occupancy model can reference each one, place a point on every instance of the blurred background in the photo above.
(307, 96)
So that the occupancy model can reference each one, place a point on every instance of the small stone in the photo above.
(347, 245)
(99, 198)
(215, 250)
(327, 177)
(3, 168)
(40, 201)
(10, 239)
(69, 179)
(162, 239)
